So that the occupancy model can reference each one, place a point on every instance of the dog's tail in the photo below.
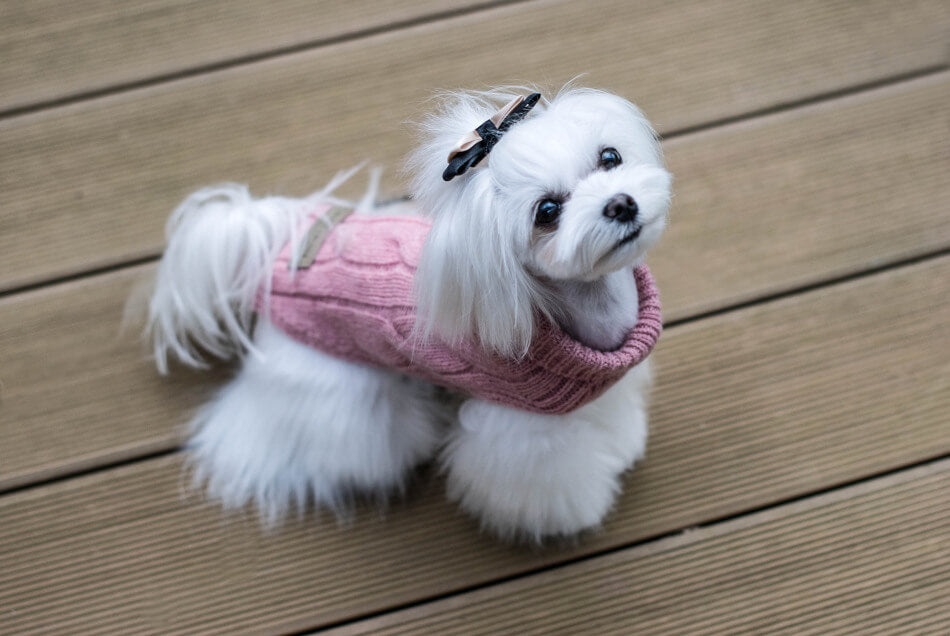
(221, 246)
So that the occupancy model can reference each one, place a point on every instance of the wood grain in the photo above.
(873, 558)
(76, 394)
(51, 49)
(777, 202)
(93, 182)
(760, 206)
(751, 407)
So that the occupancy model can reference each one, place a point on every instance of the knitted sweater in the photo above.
(356, 301)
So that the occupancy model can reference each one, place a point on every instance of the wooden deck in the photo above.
(798, 475)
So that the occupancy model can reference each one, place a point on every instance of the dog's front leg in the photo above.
(531, 476)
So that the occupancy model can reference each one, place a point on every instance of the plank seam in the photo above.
(80, 275)
(93, 470)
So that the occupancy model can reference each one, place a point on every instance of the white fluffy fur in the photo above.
(534, 476)
(298, 426)
(221, 244)
(484, 270)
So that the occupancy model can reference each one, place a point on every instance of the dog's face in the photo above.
(585, 181)
(573, 192)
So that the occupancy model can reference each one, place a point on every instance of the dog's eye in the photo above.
(610, 158)
(548, 211)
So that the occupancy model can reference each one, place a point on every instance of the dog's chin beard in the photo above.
(632, 236)
(626, 240)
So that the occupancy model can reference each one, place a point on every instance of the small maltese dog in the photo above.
(499, 319)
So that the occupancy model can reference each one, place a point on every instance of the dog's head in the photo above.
(573, 192)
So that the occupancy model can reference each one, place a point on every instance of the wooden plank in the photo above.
(760, 206)
(870, 558)
(752, 407)
(75, 394)
(775, 202)
(92, 183)
(51, 49)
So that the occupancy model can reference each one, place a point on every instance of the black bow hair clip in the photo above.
(474, 146)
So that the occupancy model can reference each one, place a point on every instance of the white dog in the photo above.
(538, 221)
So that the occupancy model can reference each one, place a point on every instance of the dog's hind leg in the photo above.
(297, 426)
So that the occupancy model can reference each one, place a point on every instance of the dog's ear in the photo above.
(471, 284)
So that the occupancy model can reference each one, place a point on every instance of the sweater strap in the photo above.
(318, 233)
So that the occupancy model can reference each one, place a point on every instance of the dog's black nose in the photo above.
(622, 208)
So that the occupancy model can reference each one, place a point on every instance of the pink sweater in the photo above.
(356, 302)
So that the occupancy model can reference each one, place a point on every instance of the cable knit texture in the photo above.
(356, 302)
